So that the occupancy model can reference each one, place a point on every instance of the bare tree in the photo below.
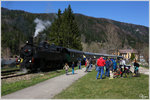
(6, 52)
(112, 39)
(139, 48)
(145, 54)
(94, 47)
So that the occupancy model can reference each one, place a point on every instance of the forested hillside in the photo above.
(97, 34)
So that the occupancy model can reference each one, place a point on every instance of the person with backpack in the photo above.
(100, 65)
(114, 65)
(107, 73)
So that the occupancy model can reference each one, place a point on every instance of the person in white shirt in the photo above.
(122, 65)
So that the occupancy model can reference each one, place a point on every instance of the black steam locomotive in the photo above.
(44, 57)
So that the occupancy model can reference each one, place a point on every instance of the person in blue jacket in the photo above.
(72, 67)
(79, 64)
(114, 65)
(107, 72)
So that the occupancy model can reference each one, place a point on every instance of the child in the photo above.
(72, 67)
(66, 67)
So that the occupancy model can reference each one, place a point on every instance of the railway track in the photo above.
(8, 72)
(13, 75)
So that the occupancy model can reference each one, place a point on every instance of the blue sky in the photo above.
(135, 12)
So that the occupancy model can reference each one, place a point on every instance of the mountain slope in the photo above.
(95, 29)
(92, 30)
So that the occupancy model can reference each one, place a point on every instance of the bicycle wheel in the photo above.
(129, 74)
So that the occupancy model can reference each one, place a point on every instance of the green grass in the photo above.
(7, 88)
(119, 88)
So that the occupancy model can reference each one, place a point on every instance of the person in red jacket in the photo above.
(100, 65)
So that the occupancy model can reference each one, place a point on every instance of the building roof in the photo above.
(127, 51)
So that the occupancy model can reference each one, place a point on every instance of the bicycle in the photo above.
(128, 72)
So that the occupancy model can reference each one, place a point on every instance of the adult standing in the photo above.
(100, 65)
(96, 64)
(87, 65)
(122, 65)
(111, 69)
(107, 73)
(114, 65)
(90, 64)
(105, 65)
(79, 64)
(118, 62)
(136, 67)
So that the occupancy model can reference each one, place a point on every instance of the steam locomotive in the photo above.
(44, 57)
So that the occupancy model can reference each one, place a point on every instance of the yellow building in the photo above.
(126, 53)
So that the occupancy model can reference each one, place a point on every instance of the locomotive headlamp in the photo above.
(30, 61)
(26, 41)
(18, 59)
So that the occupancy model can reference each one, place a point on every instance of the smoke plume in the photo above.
(40, 26)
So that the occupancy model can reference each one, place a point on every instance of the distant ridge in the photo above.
(91, 29)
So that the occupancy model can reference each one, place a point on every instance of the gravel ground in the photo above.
(19, 78)
(142, 70)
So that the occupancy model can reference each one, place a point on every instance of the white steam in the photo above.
(40, 26)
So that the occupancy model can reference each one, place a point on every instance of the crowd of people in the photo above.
(111, 67)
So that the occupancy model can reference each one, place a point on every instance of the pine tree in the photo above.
(64, 30)
(132, 56)
(54, 34)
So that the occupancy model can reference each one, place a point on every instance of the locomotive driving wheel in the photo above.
(41, 65)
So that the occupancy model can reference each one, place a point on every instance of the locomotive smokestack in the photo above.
(40, 26)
